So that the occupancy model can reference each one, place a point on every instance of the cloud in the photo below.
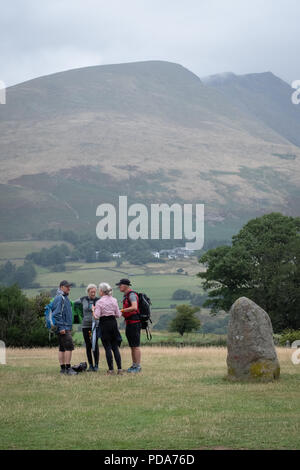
(206, 36)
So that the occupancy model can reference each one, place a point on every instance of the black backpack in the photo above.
(80, 367)
(144, 305)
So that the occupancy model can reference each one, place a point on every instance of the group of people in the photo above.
(99, 320)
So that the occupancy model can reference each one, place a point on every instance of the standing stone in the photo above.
(251, 350)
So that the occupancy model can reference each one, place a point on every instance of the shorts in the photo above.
(133, 334)
(65, 341)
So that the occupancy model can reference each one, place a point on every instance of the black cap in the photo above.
(65, 283)
(124, 281)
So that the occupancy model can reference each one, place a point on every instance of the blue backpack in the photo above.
(49, 318)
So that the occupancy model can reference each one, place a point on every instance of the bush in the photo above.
(289, 335)
(181, 294)
(21, 320)
(163, 322)
(185, 320)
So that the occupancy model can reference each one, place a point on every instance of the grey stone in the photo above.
(251, 351)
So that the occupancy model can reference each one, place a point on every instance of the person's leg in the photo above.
(117, 355)
(88, 345)
(61, 355)
(136, 356)
(134, 337)
(69, 347)
(129, 339)
(133, 332)
(61, 358)
(108, 353)
(96, 355)
(68, 357)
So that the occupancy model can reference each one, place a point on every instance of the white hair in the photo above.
(106, 289)
(91, 286)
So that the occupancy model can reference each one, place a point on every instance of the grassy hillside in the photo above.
(180, 402)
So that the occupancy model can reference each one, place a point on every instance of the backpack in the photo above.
(49, 318)
(144, 307)
(80, 367)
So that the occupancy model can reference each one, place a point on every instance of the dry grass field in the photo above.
(179, 401)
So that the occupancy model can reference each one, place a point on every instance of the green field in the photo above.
(179, 401)
(158, 280)
(18, 250)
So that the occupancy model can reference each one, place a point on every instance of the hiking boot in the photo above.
(120, 372)
(91, 369)
(110, 372)
(96, 368)
(70, 371)
(62, 371)
(131, 369)
(136, 369)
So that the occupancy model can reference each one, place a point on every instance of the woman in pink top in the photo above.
(107, 311)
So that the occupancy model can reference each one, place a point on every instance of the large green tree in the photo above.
(263, 264)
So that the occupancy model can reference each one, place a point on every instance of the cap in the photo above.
(124, 281)
(65, 283)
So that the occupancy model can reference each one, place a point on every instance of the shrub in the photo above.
(289, 335)
(185, 320)
(21, 319)
(181, 294)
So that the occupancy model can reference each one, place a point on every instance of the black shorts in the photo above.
(133, 334)
(65, 341)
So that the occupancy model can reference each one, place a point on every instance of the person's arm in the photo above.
(126, 312)
(78, 310)
(58, 306)
(96, 310)
(133, 306)
(117, 310)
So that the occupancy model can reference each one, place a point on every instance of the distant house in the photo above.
(116, 255)
(177, 252)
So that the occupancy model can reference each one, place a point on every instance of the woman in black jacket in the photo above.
(86, 303)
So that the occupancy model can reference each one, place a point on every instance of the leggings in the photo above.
(87, 335)
(110, 337)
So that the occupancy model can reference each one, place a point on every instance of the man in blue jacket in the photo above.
(62, 313)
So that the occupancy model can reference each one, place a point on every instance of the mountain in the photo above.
(150, 130)
(265, 97)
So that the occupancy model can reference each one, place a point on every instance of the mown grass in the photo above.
(166, 338)
(179, 401)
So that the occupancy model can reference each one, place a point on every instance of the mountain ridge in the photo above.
(153, 129)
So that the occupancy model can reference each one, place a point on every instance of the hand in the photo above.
(62, 332)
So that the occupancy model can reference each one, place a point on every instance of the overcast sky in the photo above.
(39, 37)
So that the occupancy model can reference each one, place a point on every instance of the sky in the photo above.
(40, 37)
